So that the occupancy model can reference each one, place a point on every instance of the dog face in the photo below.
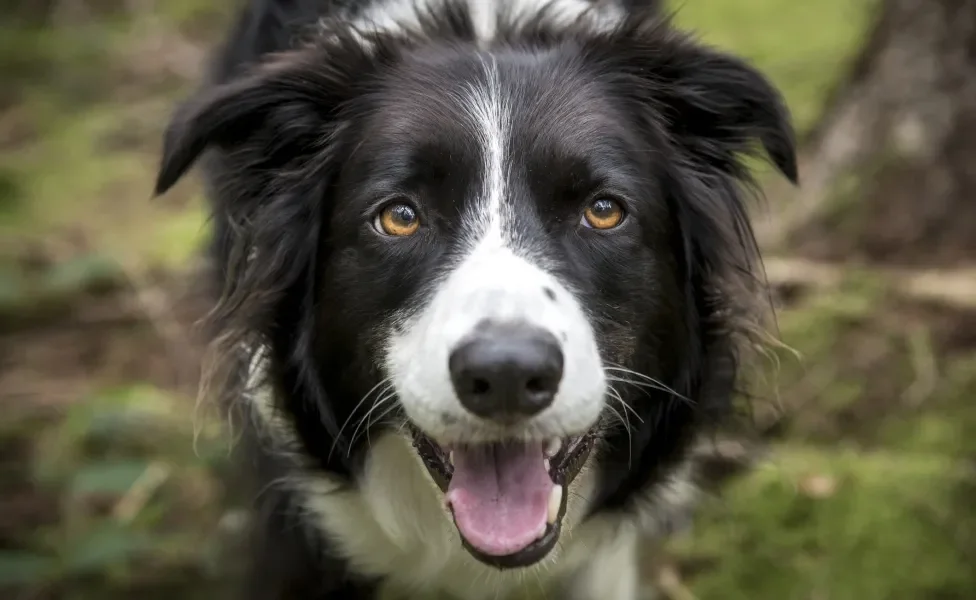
(504, 216)
(515, 251)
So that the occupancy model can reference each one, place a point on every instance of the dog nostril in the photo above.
(536, 385)
(506, 371)
(480, 386)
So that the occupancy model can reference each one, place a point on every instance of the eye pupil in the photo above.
(397, 219)
(402, 214)
(603, 208)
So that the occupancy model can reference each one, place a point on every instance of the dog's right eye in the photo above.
(603, 213)
(397, 219)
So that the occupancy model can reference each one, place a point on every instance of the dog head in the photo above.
(519, 251)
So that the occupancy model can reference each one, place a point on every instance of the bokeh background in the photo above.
(112, 482)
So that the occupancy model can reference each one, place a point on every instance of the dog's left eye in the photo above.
(603, 213)
(397, 219)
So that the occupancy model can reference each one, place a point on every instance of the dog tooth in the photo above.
(555, 500)
(450, 458)
(545, 462)
(553, 447)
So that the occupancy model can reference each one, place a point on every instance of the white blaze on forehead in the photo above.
(406, 15)
(491, 121)
(388, 15)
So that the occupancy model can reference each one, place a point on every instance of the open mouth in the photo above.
(507, 498)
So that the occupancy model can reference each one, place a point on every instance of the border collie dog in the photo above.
(485, 277)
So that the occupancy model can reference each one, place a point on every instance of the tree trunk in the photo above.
(893, 163)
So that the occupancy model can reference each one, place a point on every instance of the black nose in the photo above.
(505, 372)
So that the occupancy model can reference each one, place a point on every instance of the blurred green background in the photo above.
(112, 480)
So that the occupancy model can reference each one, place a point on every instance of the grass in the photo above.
(861, 500)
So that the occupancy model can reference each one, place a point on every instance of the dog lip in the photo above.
(434, 458)
(525, 557)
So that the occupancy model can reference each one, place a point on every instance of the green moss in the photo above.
(892, 440)
(945, 420)
(814, 328)
(870, 376)
(881, 529)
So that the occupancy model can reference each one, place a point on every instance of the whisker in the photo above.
(386, 384)
(648, 378)
(644, 387)
(386, 398)
(620, 418)
(656, 385)
(625, 420)
(626, 406)
(378, 420)
(648, 381)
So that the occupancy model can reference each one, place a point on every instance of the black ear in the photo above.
(298, 93)
(646, 7)
(719, 104)
(230, 113)
(713, 104)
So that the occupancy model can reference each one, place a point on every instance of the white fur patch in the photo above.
(405, 15)
(608, 567)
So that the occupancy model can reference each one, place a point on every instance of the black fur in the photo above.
(301, 121)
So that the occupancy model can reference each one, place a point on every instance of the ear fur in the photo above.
(300, 92)
(723, 98)
(222, 116)
(714, 105)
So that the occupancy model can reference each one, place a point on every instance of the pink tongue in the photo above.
(500, 496)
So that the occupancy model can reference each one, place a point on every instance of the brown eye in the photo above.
(397, 219)
(603, 213)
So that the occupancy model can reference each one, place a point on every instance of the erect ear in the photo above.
(714, 104)
(297, 93)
